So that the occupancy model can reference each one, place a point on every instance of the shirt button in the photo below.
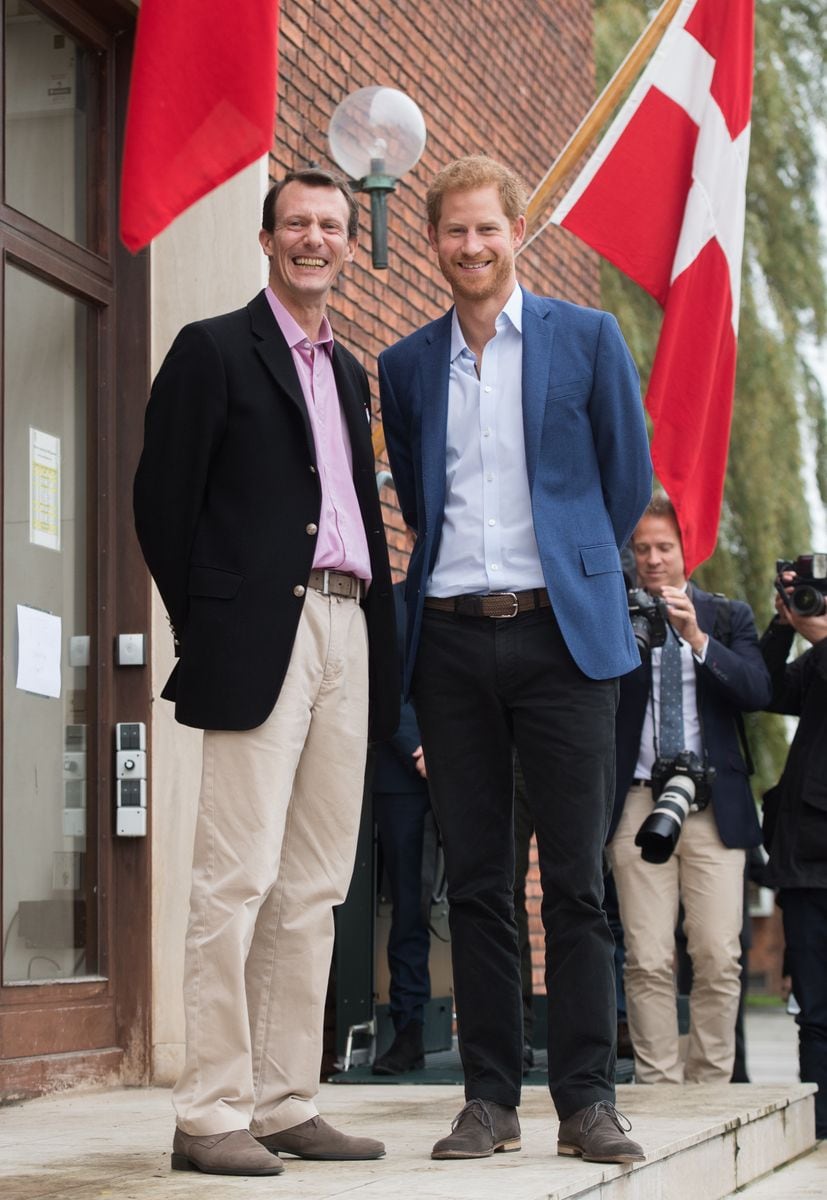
(311, 528)
(486, 433)
(495, 567)
(298, 590)
(489, 478)
(492, 522)
(487, 389)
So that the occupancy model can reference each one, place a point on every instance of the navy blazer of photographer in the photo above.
(733, 678)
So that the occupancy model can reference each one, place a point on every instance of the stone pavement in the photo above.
(114, 1145)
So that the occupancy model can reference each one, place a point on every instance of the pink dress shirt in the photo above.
(341, 544)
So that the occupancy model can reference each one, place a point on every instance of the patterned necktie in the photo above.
(671, 699)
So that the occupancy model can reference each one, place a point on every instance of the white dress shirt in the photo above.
(488, 542)
(693, 739)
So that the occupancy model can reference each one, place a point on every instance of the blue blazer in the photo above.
(587, 460)
(732, 679)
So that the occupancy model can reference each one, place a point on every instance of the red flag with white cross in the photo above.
(663, 198)
(202, 103)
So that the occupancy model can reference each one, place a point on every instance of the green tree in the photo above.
(783, 308)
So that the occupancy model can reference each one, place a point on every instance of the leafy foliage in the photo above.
(783, 310)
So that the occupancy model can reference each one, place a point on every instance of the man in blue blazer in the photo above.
(719, 675)
(519, 452)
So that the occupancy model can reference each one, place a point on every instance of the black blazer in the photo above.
(795, 810)
(732, 679)
(226, 497)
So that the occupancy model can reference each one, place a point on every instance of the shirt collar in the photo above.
(294, 335)
(511, 313)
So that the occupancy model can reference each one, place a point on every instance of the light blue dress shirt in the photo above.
(488, 542)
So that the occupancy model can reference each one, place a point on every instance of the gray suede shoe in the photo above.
(236, 1153)
(598, 1134)
(480, 1129)
(318, 1140)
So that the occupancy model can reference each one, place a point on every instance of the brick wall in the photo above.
(508, 79)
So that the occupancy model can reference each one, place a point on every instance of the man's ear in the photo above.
(518, 232)
(265, 240)
(432, 236)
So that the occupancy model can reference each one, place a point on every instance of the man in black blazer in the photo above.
(257, 512)
(795, 830)
(720, 673)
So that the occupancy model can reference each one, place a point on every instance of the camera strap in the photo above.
(722, 632)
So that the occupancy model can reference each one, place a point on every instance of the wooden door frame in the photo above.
(106, 1022)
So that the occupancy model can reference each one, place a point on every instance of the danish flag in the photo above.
(663, 198)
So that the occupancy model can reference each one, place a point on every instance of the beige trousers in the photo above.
(709, 879)
(275, 842)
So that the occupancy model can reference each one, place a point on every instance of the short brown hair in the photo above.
(312, 177)
(477, 171)
(661, 506)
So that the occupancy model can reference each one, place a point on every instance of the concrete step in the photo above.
(702, 1143)
(804, 1179)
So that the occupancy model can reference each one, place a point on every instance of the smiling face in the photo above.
(475, 243)
(658, 554)
(309, 245)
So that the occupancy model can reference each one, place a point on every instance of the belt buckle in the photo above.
(506, 616)
(325, 582)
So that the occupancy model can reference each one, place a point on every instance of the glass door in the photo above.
(49, 702)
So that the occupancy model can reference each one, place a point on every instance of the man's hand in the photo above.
(682, 617)
(419, 762)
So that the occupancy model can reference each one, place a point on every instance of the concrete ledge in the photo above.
(702, 1142)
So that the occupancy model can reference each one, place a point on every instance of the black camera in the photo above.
(809, 584)
(680, 786)
(649, 618)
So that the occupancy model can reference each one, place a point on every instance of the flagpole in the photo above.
(597, 116)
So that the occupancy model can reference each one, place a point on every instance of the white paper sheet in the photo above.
(38, 655)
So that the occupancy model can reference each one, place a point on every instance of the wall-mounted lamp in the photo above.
(376, 135)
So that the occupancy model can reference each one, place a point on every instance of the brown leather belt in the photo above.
(336, 583)
(500, 605)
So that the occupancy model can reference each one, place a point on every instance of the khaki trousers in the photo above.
(275, 841)
(709, 879)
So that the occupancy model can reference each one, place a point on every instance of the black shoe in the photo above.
(406, 1052)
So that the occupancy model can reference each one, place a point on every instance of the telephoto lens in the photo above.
(659, 833)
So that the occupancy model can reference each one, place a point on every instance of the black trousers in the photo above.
(482, 688)
(805, 934)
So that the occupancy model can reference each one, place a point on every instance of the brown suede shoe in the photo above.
(479, 1130)
(236, 1153)
(318, 1140)
(598, 1134)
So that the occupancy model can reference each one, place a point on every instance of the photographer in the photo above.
(795, 828)
(685, 701)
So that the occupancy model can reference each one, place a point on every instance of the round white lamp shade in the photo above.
(377, 130)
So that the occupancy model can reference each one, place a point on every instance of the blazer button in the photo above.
(311, 529)
(298, 590)
(312, 469)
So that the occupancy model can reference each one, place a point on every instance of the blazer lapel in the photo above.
(277, 357)
(538, 339)
(356, 416)
(432, 388)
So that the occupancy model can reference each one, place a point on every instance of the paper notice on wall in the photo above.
(44, 489)
(38, 651)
